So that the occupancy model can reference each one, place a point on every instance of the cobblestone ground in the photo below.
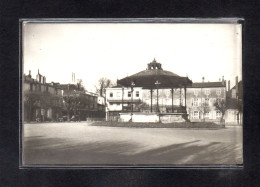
(79, 143)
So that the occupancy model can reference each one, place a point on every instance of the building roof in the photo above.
(207, 84)
(28, 78)
(154, 73)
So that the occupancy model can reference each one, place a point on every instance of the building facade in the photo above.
(199, 100)
(122, 99)
(234, 113)
(41, 101)
(80, 103)
(44, 101)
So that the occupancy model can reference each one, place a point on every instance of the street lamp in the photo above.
(157, 83)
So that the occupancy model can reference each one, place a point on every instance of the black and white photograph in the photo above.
(131, 94)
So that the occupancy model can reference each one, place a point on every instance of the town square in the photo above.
(85, 109)
(80, 143)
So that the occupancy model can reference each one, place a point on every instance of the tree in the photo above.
(142, 106)
(222, 107)
(102, 84)
(203, 108)
(80, 85)
(71, 103)
(31, 101)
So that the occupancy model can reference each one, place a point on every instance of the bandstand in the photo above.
(155, 78)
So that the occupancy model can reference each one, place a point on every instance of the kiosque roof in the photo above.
(155, 74)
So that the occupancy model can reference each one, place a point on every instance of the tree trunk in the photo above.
(222, 120)
(68, 115)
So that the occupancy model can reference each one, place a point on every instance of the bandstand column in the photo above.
(185, 96)
(151, 100)
(157, 83)
(157, 100)
(122, 98)
(172, 98)
(180, 96)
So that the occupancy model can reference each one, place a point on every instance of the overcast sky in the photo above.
(114, 51)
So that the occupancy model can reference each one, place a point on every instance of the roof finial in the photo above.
(154, 65)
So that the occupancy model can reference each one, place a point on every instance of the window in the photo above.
(234, 94)
(196, 114)
(206, 101)
(111, 94)
(207, 92)
(196, 92)
(137, 93)
(129, 94)
(218, 92)
(118, 94)
(218, 100)
(196, 102)
(218, 114)
(207, 114)
(31, 87)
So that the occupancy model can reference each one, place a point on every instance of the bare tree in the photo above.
(203, 108)
(71, 103)
(80, 85)
(222, 107)
(102, 84)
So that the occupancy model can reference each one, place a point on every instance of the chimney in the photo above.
(203, 79)
(38, 71)
(30, 74)
(228, 85)
(223, 81)
(236, 85)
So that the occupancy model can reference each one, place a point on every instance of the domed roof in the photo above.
(155, 73)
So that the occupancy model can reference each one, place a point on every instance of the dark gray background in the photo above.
(11, 11)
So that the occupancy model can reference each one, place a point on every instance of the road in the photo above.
(83, 144)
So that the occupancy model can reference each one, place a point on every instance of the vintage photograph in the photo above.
(155, 94)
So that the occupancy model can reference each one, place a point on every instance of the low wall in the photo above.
(125, 117)
(170, 118)
(152, 117)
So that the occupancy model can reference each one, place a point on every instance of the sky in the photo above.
(114, 51)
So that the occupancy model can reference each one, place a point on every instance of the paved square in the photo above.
(83, 144)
